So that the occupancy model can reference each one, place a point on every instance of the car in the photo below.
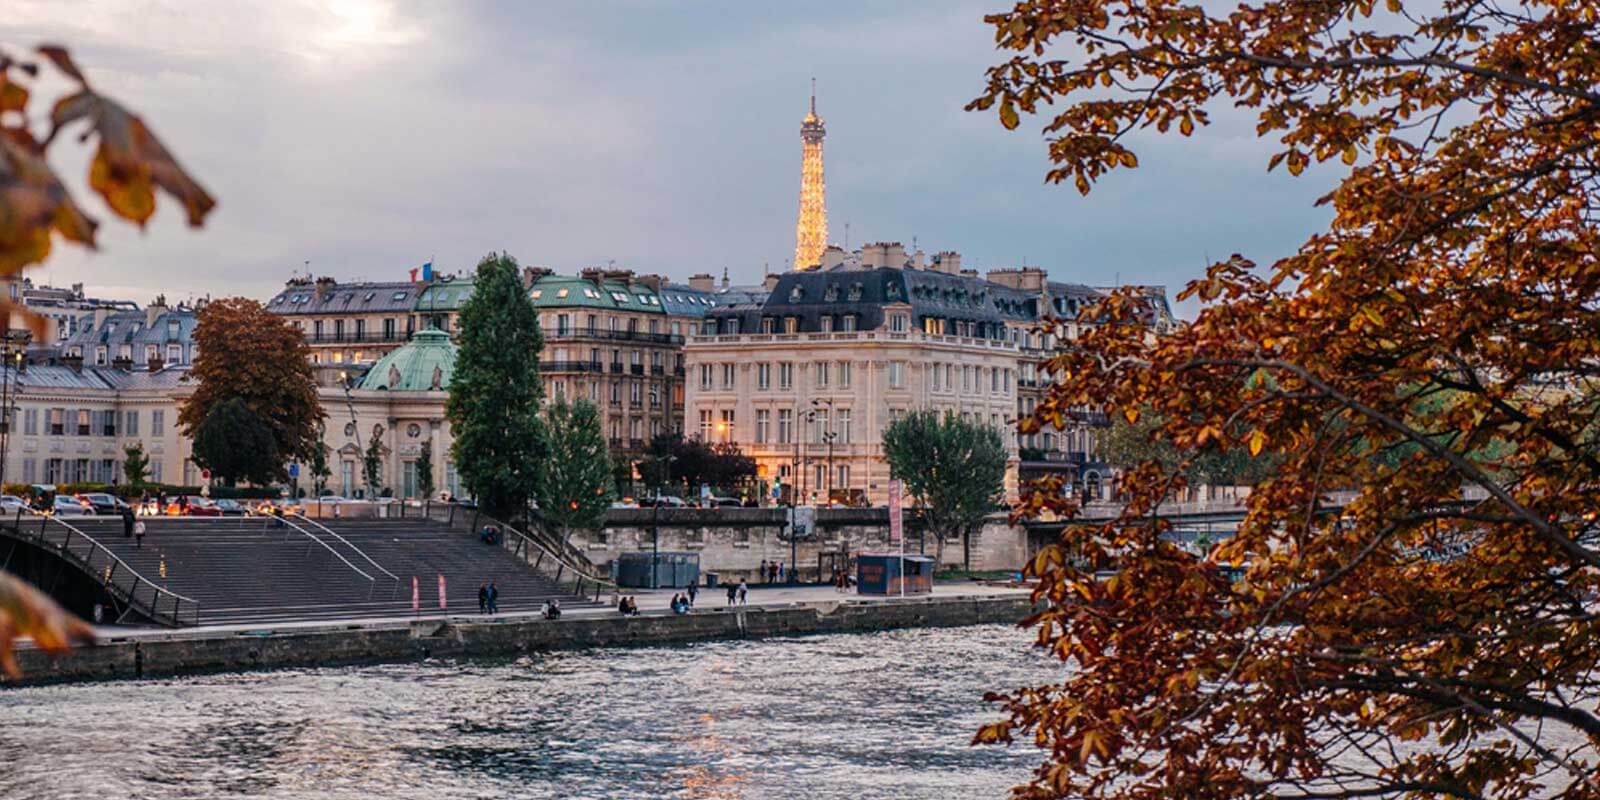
(663, 501)
(66, 505)
(329, 498)
(11, 504)
(203, 507)
(624, 503)
(232, 508)
(723, 502)
(104, 503)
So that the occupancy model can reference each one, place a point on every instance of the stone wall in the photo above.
(192, 652)
(733, 542)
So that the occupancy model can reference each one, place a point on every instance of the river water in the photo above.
(885, 715)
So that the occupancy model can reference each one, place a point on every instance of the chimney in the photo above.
(653, 282)
(701, 282)
(918, 260)
(724, 277)
(73, 361)
(154, 311)
(155, 364)
(948, 262)
(325, 287)
(832, 256)
(894, 255)
(969, 273)
(770, 282)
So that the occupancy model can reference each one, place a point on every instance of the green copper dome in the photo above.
(423, 365)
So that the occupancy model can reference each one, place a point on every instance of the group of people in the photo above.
(488, 598)
(739, 594)
(132, 528)
(552, 609)
(681, 603)
(627, 606)
(490, 534)
(773, 571)
(842, 580)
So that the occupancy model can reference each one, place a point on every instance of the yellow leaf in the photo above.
(1350, 154)
(1130, 414)
(1258, 439)
(1186, 126)
(1128, 159)
(1008, 115)
(1394, 6)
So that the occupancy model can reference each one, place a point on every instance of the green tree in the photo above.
(236, 444)
(495, 391)
(1125, 445)
(372, 467)
(575, 483)
(953, 470)
(135, 464)
(320, 472)
(425, 470)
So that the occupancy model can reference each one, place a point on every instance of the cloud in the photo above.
(367, 136)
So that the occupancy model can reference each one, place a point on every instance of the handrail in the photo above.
(329, 548)
(347, 543)
(544, 560)
(560, 558)
(109, 577)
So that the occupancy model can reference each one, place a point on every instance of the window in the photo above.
(155, 470)
(725, 427)
(848, 322)
(819, 425)
(100, 356)
(705, 424)
(561, 324)
(30, 422)
(151, 352)
(29, 470)
(791, 324)
(763, 376)
(768, 324)
(966, 379)
(636, 358)
(842, 479)
(897, 323)
(634, 392)
(823, 372)
(108, 423)
(785, 375)
(174, 354)
(763, 419)
(655, 396)
(635, 428)
(158, 422)
(785, 425)
(843, 426)
(52, 471)
(705, 376)
(844, 374)
(994, 381)
(727, 375)
(58, 421)
(130, 425)
(616, 393)
(896, 374)
(83, 422)
(937, 373)
(826, 323)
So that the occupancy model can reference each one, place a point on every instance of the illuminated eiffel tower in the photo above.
(811, 233)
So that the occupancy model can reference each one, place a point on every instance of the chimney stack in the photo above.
(702, 282)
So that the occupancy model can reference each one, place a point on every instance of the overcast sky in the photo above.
(367, 136)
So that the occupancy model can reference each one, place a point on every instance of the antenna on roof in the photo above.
(847, 236)
(813, 95)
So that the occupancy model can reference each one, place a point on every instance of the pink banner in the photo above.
(441, 591)
(416, 596)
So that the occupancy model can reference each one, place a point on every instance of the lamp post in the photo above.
(13, 362)
(655, 527)
(828, 437)
(350, 401)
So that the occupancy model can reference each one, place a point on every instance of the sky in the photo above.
(365, 137)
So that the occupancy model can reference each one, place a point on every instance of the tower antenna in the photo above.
(813, 95)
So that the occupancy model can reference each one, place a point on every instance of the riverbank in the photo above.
(124, 654)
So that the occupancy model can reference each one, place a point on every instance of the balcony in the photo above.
(364, 337)
(616, 367)
(635, 444)
(616, 336)
(678, 371)
(570, 366)
(616, 444)
(657, 369)
(637, 369)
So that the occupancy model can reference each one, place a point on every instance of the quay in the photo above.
(125, 653)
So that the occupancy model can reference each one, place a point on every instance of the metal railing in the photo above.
(137, 592)
(562, 570)
(347, 543)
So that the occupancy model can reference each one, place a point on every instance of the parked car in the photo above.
(231, 508)
(724, 502)
(103, 502)
(664, 501)
(10, 504)
(329, 498)
(203, 507)
(66, 505)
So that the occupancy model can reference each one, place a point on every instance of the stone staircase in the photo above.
(247, 570)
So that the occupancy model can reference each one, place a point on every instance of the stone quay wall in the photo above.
(733, 542)
(180, 653)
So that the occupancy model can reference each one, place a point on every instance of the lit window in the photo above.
(536, 293)
(561, 294)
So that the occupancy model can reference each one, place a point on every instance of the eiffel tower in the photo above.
(811, 232)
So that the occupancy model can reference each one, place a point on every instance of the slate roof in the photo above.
(685, 301)
(445, 294)
(814, 294)
(376, 297)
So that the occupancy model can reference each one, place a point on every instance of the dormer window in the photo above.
(855, 292)
(768, 324)
(830, 294)
(849, 322)
(827, 323)
(796, 294)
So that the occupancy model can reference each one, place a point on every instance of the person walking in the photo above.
(772, 572)
(744, 593)
(693, 591)
(138, 535)
(763, 572)
(483, 597)
(733, 594)
(494, 599)
(127, 522)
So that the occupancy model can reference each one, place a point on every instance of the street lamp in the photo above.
(655, 526)
(13, 363)
(828, 437)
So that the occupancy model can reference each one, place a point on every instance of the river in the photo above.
(884, 715)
